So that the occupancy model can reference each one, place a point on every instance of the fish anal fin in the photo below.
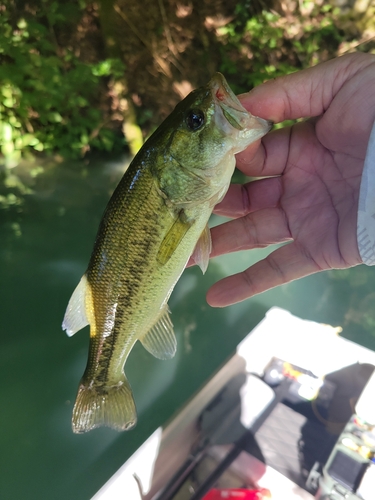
(111, 406)
(76, 316)
(172, 239)
(160, 340)
(201, 254)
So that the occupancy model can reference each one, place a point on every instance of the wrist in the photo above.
(366, 206)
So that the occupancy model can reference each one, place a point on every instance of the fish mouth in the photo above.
(237, 116)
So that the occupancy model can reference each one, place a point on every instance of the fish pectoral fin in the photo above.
(160, 340)
(111, 406)
(172, 239)
(75, 316)
(201, 254)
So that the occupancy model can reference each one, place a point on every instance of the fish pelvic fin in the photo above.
(201, 254)
(160, 340)
(76, 316)
(98, 406)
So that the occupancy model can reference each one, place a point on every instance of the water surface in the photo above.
(46, 238)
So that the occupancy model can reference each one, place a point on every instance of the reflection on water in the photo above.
(46, 236)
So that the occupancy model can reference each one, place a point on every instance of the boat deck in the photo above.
(291, 443)
(278, 436)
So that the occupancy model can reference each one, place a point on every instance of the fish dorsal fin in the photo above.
(201, 254)
(172, 239)
(75, 316)
(160, 340)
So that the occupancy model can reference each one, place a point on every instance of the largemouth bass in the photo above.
(155, 220)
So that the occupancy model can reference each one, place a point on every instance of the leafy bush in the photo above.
(275, 45)
(72, 72)
(49, 97)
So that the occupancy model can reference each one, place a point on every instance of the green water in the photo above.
(45, 246)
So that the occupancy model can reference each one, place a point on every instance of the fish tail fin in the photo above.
(98, 406)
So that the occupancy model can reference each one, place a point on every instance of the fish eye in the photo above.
(195, 119)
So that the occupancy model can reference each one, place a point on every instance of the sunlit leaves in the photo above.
(49, 96)
(276, 44)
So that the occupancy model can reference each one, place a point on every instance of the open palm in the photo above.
(309, 196)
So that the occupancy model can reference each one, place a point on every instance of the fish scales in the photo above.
(155, 220)
(138, 237)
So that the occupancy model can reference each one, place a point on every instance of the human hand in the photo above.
(314, 168)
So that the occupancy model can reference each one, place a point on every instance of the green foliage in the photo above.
(49, 97)
(61, 93)
(273, 46)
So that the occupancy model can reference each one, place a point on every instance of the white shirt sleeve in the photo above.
(366, 207)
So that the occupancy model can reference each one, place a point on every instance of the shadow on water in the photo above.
(45, 246)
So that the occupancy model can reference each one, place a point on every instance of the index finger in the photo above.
(306, 93)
